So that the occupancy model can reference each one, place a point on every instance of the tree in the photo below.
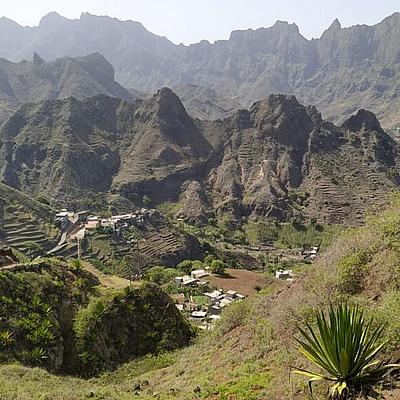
(33, 249)
(218, 267)
(161, 275)
(208, 259)
(345, 347)
(186, 266)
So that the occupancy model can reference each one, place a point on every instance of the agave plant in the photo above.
(345, 347)
(38, 355)
(6, 338)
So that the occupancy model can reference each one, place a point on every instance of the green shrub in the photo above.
(218, 267)
(186, 266)
(161, 275)
(236, 314)
(351, 271)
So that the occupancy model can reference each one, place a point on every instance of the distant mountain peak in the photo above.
(37, 60)
(52, 18)
(335, 25)
(284, 25)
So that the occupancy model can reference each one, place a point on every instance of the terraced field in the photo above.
(159, 243)
(20, 228)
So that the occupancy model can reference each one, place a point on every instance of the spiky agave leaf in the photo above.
(345, 346)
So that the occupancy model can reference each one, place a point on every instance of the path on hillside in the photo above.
(110, 281)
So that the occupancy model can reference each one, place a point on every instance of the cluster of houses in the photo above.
(217, 300)
(84, 222)
(193, 280)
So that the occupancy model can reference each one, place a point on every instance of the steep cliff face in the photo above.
(278, 160)
(344, 70)
(38, 80)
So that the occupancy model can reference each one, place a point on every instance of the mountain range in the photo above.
(342, 71)
(278, 160)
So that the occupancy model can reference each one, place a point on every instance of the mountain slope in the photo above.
(65, 148)
(282, 160)
(64, 77)
(344, 70)
(278, 160)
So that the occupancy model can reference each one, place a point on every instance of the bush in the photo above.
(186, 266)
(218, 267)
(351, 271)
(161, 275)
(234, 315)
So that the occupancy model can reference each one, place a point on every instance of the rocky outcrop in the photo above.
(194, 203)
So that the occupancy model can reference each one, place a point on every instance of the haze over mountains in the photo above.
(39, 80)
(345, 69)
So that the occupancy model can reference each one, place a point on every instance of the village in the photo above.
(208, 310)
(195, 294)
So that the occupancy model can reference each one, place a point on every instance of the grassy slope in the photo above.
(249, 355)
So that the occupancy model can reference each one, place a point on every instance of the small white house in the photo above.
(199, 273)
(199, 314)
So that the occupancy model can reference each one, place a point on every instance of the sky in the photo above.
(189, 21)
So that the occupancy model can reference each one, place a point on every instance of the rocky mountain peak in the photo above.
(168, 103)
(284, 26)
(334, 27)
(282, 117)
(37, 60)
(364, 119)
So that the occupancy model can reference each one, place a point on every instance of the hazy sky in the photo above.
(189, 21)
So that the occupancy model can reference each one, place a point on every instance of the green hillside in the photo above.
(61, 317)
(249, 354)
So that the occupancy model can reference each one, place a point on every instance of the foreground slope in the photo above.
(61, 317)
(279, 160)
(343, 70)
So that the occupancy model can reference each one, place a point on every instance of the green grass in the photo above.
(286, 235)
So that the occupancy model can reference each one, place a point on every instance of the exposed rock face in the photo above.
(195, 204)
(344, 70)
(65, 77)
(277, 160)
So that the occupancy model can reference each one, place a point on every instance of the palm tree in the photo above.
(345, 347)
